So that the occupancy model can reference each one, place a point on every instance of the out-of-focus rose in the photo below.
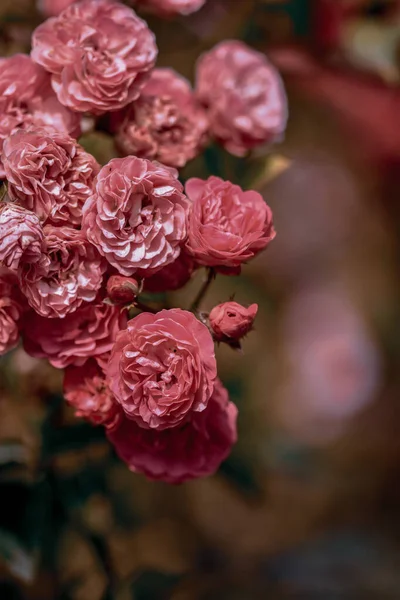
(162, 368)
(244, 96)
(99, 53)
(136, 216)
(52, 8)
(232, 320)
(166, 123)
(86, 389)
(73, 274)
(173, 276)
(11, 309)
(226, 225)
(21, 236)
(194, 449)
(89, 332)
(169, 8)
(49, 173)
(122, 290)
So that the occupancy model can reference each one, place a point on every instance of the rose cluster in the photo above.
(83, 246)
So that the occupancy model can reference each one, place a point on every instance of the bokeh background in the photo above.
(307, 506)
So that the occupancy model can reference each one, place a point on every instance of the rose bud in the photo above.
(231, 321)
(122, 290)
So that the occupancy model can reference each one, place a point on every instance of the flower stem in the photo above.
(203, 290)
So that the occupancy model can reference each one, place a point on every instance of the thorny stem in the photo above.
(203, 290)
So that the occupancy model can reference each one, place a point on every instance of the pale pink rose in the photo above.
(231, 320)
(162, 368)
(226, 225)
(27, 98)
(137, 215)
(73, 273)
(49, 174)
(166, 123)
(244, 96)
(52, 8)
(11, 310)
(99, 53)
(89, 332)
(194, 449)
(122, 290)
(172, 277)
(21, 236)
(86, 389)
(169, 8)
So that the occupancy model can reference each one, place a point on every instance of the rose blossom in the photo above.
(21, 236)
(89, 332)
(99, 53)
(162, 368)
(136, 216)
(172, 277)
(168, 8)
(11, 309)
(244, 96)
(122, 290)
(49, 173)
(193, 449)
(232, 320)
(73, 274)
(86, 389)
(226, 226)
(166, 123)
(26, 98)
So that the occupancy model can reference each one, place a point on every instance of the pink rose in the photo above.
(11, 309)
(89, 332)
(86, 389)
(162, 368)
(231, 320)
(168, 8)
(73, 274)
(26, 99)
(122, 290)
(21, 236)
(166, 123)
(244, 96)
(99, 53)
(226, 226)
(194, 449)
(137, 215)
(49, 173)
(172, 277)
(52, 8)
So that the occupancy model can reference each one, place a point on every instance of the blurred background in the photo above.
(307, 506)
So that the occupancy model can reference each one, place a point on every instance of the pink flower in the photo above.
(86, 389)
(52, 8)
(162, 368)
(231, 320)
(193, 449)
(21, 236)
(89, 332)
(49, 173)
(166, 123)
(26, 99)
(73, 274)
(244, 96)
(99, 53)
(137, 215)
(168, 8)
(172, 277)
(122, 290)
(226, 226)
(11, 309)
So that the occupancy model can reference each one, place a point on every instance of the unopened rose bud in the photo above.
(231, 321)
(122, 290)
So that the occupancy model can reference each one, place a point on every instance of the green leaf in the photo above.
(152, 585)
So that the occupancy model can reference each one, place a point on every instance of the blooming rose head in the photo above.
(122, 290)
(169, 8)
(244, 96)
(162, 368)
(89, 332)
(99, 53)
(86, 389)
(49, 173)
(190, 450)
(166, 123)
(231, 320)
(226, 225)
(21, 236)
(172, 277)
(136, 216)
(26, 99)
(11, 309)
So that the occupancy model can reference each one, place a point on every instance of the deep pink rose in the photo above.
(166, 123)
(226, 226)
(86, 389)
(137, 215)
(168, 8)
(122, 290)
(11, 309)
(21, 236)
(99, 53)
(52, 8)
(89, 332)
(193, 449)
(73, 273)
(232, 320)
(244, 96)
(26, 99)
(49, 173)
(172, 277)
(162, 368)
